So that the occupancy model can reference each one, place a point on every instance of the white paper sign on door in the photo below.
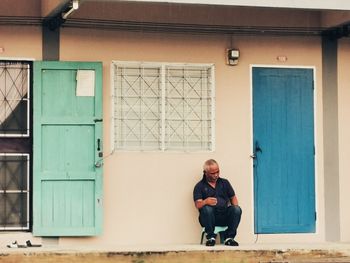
(85, 83)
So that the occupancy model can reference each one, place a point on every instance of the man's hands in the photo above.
(212, 201)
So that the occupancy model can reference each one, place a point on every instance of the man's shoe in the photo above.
(210, 242)
(231, 242)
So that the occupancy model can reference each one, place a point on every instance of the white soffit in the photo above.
(303, 4)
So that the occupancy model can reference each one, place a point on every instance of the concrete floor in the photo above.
(327, 246)
(245, 253)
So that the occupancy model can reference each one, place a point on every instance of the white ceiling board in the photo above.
(303, 4)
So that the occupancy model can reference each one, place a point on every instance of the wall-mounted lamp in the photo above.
(74, 6)
(232, 57)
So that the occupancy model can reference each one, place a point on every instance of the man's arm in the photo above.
(234, 200)
(199, 203)
(231, 192)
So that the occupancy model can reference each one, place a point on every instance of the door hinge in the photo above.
(314, 150)
(315, 216)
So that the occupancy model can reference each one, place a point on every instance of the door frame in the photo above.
(313, 68)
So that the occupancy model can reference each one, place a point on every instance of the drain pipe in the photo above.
(51, 29)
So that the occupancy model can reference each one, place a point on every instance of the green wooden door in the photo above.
(67, 141)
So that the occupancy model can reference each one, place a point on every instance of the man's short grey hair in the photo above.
(208, 163)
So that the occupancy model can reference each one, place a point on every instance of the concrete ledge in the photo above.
(188, 253)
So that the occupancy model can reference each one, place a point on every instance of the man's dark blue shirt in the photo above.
(223, 191)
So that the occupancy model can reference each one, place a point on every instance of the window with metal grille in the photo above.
(14, 191)
(163, 106)
(14, 99)
(15, 144)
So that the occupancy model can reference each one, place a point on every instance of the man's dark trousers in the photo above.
(211, 216)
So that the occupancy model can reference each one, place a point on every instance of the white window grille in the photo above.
(163, 106)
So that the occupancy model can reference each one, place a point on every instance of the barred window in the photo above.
(163, 106)
(14, 99)
(14, 191)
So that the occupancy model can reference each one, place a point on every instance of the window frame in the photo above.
(21, 144)
(163, 87)
(27, 192)
(27, 98)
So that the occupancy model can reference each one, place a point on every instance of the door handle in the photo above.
(256, 150)
(98, 144)
(98, 163)
(98, 120)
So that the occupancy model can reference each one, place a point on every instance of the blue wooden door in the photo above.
(283, 146)
(67, 174)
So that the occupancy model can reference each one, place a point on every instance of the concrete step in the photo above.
(219, 254)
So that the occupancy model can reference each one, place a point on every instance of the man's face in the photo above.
(212, 174)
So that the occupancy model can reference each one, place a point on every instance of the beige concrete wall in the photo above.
(148, 196)
(20, 42)
(48, 6)
(344, 136)
(20, 8)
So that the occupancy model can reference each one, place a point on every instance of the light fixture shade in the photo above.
(232, 57)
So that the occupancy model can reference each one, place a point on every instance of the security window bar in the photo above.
(14, 191)
(188, 108)
(14, 99)
(137, 103)
(163, 106)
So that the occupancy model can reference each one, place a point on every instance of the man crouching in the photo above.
(217, 203)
